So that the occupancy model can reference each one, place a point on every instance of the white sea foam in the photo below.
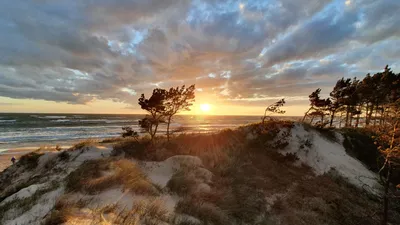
(8, 121)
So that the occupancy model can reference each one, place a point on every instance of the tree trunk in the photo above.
(376, 114)
(351, 120)
(347, 116)
(332, 118)
(366, 114)
(151, 131)
(169, 122)
(382, 116)
(357, 120)
(305, 115)
(371, 110)
(386, 199)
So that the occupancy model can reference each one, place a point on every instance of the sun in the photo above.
(205, 107)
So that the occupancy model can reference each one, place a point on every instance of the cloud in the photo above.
(83, 51)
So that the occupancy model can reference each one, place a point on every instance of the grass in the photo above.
(152, 212)
(82, 145)
(90, 178)
(326, 132)
(182, 183)
(63, 210)
(111, 140)
(30, 160)
(245, 172)
(24, 204)
(204, 211)
(359, 144)
(64, 156)
(327, 199)
(133, 148)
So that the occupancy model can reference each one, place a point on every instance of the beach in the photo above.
(5, 157)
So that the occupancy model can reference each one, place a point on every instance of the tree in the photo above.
(318, 107)
(177, 99)
(129, 132)
(336, 99)
(274, 108)
(156, 109)
(388, 140)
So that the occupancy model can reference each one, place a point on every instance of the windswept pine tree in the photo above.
(156, 109)
(177, 99)
(362, 102)
(274, 108)
(318, 108)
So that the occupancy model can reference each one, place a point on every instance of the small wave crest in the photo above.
(8, 121)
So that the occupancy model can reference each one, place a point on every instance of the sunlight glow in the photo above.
(205, 107)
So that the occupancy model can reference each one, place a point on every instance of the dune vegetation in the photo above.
(269, 173)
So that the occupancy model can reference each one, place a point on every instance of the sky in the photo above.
(98, 56)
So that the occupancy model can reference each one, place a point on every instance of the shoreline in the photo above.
(6, 155)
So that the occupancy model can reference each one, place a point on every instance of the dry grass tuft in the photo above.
(64, 209)
(90, 177)
(204, 211)
(182, 183)
(327, 199)
(30, 160)
(85, 144)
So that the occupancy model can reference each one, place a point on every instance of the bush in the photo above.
(271, 135)
(78, 179)
(328, 133)
(181, 183)
(64, 156)
(129, 132)
(360, 145)
(133, 148)
(30, 160)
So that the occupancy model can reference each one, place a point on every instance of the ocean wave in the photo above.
(60, 121)
(92, 121)
(8, 121)
(48, 117)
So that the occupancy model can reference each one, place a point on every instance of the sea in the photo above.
(34, 130)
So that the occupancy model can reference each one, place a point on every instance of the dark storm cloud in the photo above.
(79, 51)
